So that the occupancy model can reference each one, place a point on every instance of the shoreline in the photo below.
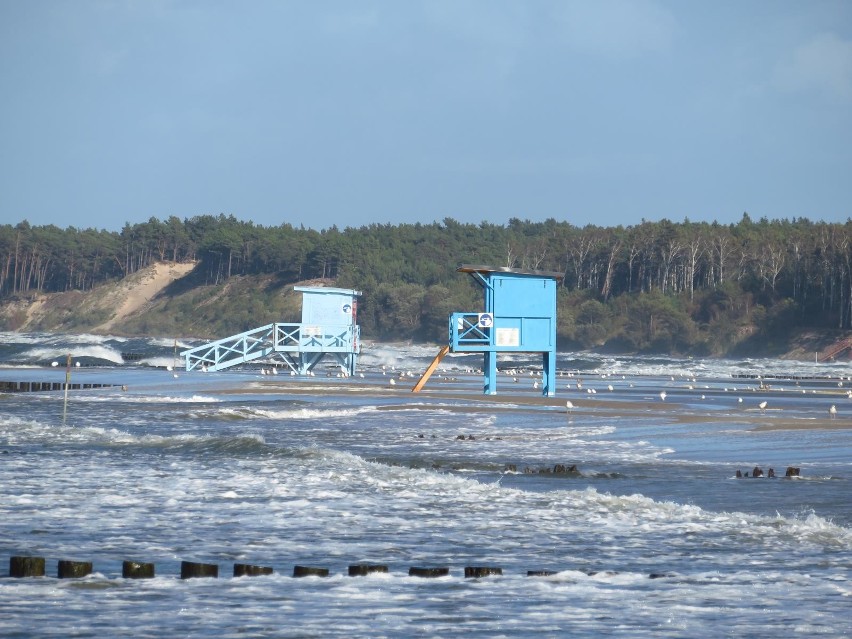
(462, 398)
(622, 410)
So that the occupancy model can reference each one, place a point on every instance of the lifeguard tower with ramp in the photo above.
(519, 316)
(328, 328)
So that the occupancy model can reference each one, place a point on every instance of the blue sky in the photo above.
(349, 113)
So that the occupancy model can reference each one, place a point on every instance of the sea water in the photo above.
(651, 535)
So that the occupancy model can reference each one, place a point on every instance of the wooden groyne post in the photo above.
(67, 386)
(26, 566)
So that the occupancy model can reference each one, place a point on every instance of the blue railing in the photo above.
(269, 339)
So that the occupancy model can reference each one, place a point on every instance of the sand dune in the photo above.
(140, 288)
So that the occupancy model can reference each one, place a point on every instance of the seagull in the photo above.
(569, 406)
(663, 395)
(762, 406)
(832, 411)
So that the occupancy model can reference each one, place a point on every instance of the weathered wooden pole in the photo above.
(309, 571)
(26, 566)
(248, 570)
(73, 569)
(361, 570)
(418, 571)
(190, 569)
(482, 571)
(137, 570)
(67, 385)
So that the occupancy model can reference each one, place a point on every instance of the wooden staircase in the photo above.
(835, 349)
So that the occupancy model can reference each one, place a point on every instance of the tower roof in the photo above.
(477, 268)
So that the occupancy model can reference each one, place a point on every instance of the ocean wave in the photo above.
(18, 432)
(162, 362)
(59, 354)
(129, 398)
(311, 413)
(593, 513)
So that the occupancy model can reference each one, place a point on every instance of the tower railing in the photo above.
(466, 331)
(280, 338)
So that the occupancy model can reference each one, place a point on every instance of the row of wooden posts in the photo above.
(35, 387)
(35, 567)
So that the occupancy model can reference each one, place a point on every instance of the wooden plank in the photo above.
(430, 369)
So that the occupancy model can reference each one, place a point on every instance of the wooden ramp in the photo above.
(430, 369)
(833, 351)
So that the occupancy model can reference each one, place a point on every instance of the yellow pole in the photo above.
(67, 385)
(431, 369)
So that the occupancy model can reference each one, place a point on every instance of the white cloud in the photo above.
(822, 64)
(616, 28)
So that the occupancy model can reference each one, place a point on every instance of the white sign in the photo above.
(311, 331)
(486, 320)
(507, 337)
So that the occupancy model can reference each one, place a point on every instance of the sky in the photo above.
(349, 113)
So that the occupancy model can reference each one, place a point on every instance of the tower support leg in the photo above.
(490, 370)
(548, 367)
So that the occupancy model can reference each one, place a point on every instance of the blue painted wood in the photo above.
(519, 315)
(328, 327)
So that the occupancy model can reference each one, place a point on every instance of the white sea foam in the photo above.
(113, 394)
(164, 342)
(329, 482)
(163, 362)
(7, 337)
(59, 353)
(310, 413)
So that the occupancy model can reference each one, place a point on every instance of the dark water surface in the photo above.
(651, 536)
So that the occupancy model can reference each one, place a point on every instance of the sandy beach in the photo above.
(674, 411)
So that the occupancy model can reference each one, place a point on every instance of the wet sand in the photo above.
(623, 411)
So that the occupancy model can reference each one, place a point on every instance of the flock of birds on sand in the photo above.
(691, 384)
(516, 375)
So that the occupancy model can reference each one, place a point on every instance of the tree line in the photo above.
(652, 286)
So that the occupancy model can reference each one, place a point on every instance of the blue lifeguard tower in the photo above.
(328, 327)
(519, 317)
